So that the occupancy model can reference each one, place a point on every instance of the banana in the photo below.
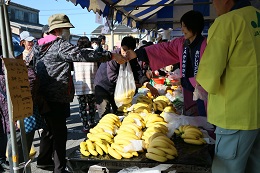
(193, 141)
(84, 152)
(90, 145)
(126, 129)
(203, 140)
(124, 142)
(155, 119)
(99, 149)
(126, 155)
(114, 153)
(102, 146)
(158, 143)
(170, 157)
(189, 136)
(181, 128)
(138, 105)
(161, 103)
(154, 107)
(135, 153)
(165, 138)
(83, 145)
(195, 130)
(156, 151)
(113, 116)
(163, 98)
(177, 132)
(93, 138)
(156, 157)
(127, 135)
(154, 136)
(171, 151)
(117, 147)
(169, 109)
(118, 123)
(104, 135)
(93, 152)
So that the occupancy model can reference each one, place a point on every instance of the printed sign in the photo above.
(19, 88)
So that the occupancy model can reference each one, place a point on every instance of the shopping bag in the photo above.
(34, 122)
(125, 86)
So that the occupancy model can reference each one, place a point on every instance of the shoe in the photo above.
(5, 166)
(85, 129)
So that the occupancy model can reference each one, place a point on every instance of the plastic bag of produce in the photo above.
(125, 86)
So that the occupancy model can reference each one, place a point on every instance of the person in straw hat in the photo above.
(53, 62)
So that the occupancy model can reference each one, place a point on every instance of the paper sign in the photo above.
(19, 88)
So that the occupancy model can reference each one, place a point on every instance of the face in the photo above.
(124, 49)
(66, 33)
(188, 34)
(27, 44)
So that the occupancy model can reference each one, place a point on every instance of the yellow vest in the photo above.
(230, 70)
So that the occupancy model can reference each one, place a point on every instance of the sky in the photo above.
(82, 19)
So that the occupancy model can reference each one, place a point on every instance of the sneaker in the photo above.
(4, 166)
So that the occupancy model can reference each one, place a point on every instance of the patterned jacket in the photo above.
(53, 63)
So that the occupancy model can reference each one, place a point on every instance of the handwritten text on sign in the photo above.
(19, 88)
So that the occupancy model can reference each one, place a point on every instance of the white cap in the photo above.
(25, 35)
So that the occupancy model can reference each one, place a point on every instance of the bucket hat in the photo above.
(59, 21)
(25, 35)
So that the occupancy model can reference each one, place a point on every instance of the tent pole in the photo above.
(8, 30)
(12, 126)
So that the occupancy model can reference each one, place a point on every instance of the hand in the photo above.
(130, 54)
(153, 90)
(118, 58)
(200, 93)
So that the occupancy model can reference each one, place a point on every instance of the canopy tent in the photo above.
(147, 14)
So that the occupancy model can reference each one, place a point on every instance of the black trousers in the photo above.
(54, 137)
(104, 101)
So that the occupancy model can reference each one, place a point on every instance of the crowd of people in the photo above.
(218, 67)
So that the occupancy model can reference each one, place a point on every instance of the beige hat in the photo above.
(59, 21)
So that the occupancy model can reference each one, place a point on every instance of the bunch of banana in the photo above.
(151, 130)
(108, 123)
(144, 99)
(161, 148)
(140, 107)
(89, 147)
(190, 134)
(124, 107)
(160, 102)
(151, 119)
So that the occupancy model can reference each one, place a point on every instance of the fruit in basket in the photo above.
(84, 149)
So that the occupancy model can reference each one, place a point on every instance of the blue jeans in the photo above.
(236, 151)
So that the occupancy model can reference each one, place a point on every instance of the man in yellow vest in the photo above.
(230, 72)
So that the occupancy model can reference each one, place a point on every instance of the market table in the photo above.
(191, 159)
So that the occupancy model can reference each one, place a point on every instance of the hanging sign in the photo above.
(19, 88)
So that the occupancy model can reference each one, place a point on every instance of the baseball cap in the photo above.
(25, 35)
(59, 21)
(18, 50)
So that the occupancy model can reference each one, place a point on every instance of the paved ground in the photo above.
(75, 135)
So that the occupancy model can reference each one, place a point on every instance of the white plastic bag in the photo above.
(125, 86)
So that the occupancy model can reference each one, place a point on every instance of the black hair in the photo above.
(194, 21)
(84, 44)
(101, 37)
(129, 41)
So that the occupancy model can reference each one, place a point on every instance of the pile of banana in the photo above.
(154, 124)
(131, 129)
(124, 107)
(140, 107)
(101, 136)
(190, 134)
(161, 148)
(162, 102)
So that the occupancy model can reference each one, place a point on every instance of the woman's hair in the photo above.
(129, 41)
(194, 21)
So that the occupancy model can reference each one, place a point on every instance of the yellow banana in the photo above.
(195, 130)
(84, 152)
(158, 143)
(154, 107)
(104, 135)
(193, 141)
(126, 155)
(127, 135)
(93, 152)
(83, 145)
(102, 146)
(156, 157)
(177, 132)
(155, 119)
(169, 109)
(90, 145)
(171, 151)
(170, 157)
(99, 149)
(156, 151)
(189, 136)
(154, 136)
(117, 147)
(135, 153)
(113, 116)
(124, 142)
(114, 153)
(203, 140)
(165, 138)
(93, 131)
(126, 129)
(93, 138)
